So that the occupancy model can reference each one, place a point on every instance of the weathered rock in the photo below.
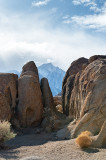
(57, 100)
(5, 110)
(53, 120)
(8, 93)
(88, 98)
(67, 93)
(31, 73)
(48, 101)
(30, 66)
(30, 108)
(100, 139)
(93, 58)
(68, 82)
(75, 67)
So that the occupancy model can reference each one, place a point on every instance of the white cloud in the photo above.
(94, 21)
(91, 3)
(40, 3)
(30, 37)
(97, 22)
(76, 2)
(85, 2)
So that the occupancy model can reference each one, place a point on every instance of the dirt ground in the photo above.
(44, 146)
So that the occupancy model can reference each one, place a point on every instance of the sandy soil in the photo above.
(45, 147)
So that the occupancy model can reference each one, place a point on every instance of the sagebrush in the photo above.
(5, 132)
(84, 140)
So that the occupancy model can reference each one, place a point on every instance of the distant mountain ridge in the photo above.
(54, 75)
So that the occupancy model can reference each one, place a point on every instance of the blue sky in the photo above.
(57, 31)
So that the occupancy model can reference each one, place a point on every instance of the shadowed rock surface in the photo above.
(8, 93)
(30, 66)
(48, 101)
(95, 57)
(30, 108)
(68, 82)
(57, 100)
(53, 120)
(87, 101)
(89, 98)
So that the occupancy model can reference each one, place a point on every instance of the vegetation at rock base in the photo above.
(84, 139)
(5, 132)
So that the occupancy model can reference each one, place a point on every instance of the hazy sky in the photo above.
(57, 31)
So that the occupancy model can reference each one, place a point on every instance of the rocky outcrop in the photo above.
(67, 89)
(53, 120)
(75, 67)
(8, 94)
(87, 101)
(5, 109)
(100, 139)
(30, 66)
(30, 107)
(95, 57)
(88, 98)
(68, 81)
(57, 100)
(48, 101)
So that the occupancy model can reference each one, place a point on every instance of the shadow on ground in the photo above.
(8, 154)
(24, 140)
(91, 150)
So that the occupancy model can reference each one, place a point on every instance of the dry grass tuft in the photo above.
(86, 133)
(59, 108)
(84, 139)
(5, 132)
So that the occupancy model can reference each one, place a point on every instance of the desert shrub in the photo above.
(59, 108)
(5, 132)
(84, 139)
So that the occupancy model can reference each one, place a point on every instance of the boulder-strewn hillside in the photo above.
(54, 75)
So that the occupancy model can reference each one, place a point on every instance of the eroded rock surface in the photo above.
(48, 101)
(68, 81)
(30, 107)
(30, 66)
(8, 94)
(87, 98)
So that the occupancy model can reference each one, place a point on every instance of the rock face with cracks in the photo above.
(68, 81)
(8, 94)
(87, 98)
(30, 107)
(48, 101)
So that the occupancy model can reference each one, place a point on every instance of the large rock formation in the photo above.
(68, 81)
(53, 120)
(95, 57)
(8, 93)
(86, 98)
(30, 107)
(30, 66)
(48, 101)
(5, 108)
(100, 139)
